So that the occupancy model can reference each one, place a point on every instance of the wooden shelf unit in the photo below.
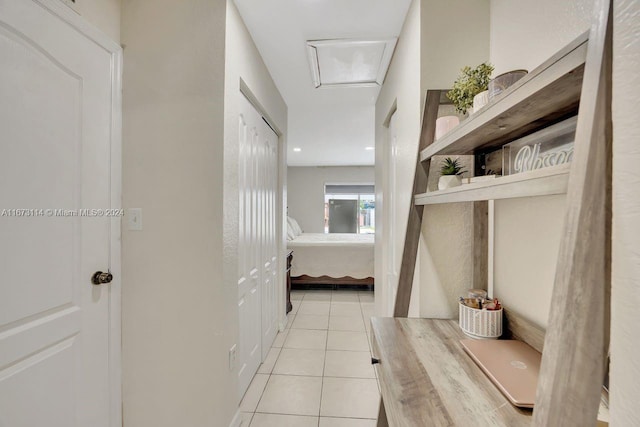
(577, 80)
(548, 94)
(539, 182)
(544, 96)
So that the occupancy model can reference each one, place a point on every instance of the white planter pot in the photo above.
(480, 100)
(449, 181)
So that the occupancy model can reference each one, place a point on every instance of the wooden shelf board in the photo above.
(546, 95)
(427, 379)
(540, 182)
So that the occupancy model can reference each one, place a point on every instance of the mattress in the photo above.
(335, 255)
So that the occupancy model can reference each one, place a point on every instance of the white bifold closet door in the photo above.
(257, 245)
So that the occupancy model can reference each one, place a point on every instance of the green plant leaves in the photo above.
(451, 167)
(469, 83)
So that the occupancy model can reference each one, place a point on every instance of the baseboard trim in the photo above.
(330, 281)
(237, 419)
(282, 324)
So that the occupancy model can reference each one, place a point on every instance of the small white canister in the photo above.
(480, 324)
(446, 124)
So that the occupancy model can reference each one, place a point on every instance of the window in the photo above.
(349, 208)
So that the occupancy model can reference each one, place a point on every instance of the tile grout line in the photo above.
(271, 373)
(295, 415)
(305, 376)
(313, 416)
(367, 333)
(370, 341)
(324, 364)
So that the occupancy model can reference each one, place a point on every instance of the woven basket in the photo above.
(483, 324)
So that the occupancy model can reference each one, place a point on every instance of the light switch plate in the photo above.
(134, 219)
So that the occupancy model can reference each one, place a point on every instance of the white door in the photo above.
(257, 247)
(249, 309)
(59, 107)
(269, 277)
(394, 252)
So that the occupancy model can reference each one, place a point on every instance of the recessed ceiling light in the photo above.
(297, 149)
(369, 148)
(347, 62)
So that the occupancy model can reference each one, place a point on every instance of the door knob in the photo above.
(100, 278)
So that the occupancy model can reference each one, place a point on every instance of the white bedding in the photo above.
(335, 255)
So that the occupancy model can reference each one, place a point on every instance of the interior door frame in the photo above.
(73, 19)
(389, 211)
(281, 199)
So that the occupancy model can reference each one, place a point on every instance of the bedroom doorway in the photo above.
(257, 241)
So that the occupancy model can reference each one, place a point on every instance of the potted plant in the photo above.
(470, 82)
(450, 171)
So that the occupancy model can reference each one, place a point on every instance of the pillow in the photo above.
(290, 233)
(294, 226)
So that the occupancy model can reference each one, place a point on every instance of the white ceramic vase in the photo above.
(449, 181)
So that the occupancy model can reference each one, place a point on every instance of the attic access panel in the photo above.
(348, 62)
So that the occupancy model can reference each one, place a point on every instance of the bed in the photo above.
(330, 259)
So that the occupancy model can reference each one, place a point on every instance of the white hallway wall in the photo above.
(527, 231)
(104, 14)
(182, 82)
(446, 266)
(179, 317)
(625, 346)
(420, 61)
(399, 92)
(306, 190)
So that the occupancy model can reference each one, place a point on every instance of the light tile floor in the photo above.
(318, 372)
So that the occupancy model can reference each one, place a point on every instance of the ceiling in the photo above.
(331, 125)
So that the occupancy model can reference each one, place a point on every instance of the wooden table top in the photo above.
(427, 379)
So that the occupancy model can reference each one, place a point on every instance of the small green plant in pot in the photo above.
(470, 83)
(450, 171)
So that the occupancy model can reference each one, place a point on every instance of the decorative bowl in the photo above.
(503, 81)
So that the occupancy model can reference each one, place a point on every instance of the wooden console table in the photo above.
(427, 379)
